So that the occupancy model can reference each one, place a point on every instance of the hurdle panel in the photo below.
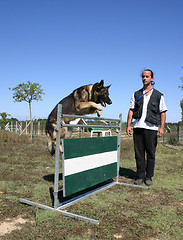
(88, 162)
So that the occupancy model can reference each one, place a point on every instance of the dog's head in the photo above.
(101, 93)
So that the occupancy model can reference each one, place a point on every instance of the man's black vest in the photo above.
(153, 114)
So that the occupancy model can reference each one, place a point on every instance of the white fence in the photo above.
(11, 127)
(24, 128)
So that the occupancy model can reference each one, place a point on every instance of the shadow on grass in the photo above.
(63, 200)
(50, 177)
(123, 172)
(128, 173)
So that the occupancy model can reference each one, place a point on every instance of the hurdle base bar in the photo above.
(78, 199)
(67, 214)
(108, 185)
(86, 195)
(131, 185)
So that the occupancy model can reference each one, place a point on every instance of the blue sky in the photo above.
(64, 44)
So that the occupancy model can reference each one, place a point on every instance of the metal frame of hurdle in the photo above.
(58, 207)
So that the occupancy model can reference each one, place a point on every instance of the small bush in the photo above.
(172, 138)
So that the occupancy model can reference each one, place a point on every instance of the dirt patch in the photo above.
(11, 224)
(172, 147)
(118, 236)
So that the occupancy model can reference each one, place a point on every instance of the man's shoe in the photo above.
(138, 181)
(148, 182)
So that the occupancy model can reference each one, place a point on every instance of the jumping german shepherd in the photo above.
(83, 100)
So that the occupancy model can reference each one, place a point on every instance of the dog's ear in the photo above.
(98, 86)
(108, 86)
(101, 84)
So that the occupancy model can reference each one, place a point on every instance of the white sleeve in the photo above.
(162, 105)
(132, 102)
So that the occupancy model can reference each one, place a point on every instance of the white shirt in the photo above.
(141, 123)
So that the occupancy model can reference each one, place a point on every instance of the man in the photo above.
(148, 108)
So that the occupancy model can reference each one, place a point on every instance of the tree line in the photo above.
(181, 101)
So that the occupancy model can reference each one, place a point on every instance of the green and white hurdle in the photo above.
(87, 163)
(90, 162)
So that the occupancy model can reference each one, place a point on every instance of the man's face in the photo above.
(146, 78)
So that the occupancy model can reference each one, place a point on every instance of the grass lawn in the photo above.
(124, 212)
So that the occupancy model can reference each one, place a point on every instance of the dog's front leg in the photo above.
(88, 107)
(99, 113)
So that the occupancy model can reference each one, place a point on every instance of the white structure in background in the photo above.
(92, 130)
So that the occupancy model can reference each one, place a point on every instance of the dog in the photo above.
(83, 100)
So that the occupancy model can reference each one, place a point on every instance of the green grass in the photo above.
(124, 213)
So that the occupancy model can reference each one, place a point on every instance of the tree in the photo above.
(181, 83)
(4, 119)
(27, 92)
(181, 105)
(181, 102)
(4, 116)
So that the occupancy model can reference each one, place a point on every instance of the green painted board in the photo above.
(75, 148)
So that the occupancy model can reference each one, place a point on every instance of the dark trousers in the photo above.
(145, 141)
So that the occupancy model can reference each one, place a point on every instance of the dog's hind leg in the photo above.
(54, 143)
(50, 145)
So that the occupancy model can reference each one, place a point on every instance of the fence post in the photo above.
(178, 136)
(32, 133)
(119, 147)
(57, 155)
(38, 129)
(7, 127)
(26, 127)
(180, 133)
(43, 129)
(16, 127)
(11, 126)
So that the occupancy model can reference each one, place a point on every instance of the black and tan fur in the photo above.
(83, 100)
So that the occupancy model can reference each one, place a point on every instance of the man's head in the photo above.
(147, 77)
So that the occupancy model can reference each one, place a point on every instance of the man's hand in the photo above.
(129, 121)
(129, 131)
(160, 132)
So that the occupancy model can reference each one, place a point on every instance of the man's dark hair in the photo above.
(152, 74)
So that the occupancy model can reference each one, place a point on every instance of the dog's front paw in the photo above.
(99, 108)
(99, 113)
